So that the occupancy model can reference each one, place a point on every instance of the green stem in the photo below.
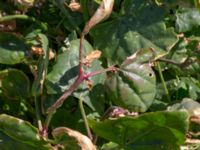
(38, 114)
(163, 82)
(48, 120)
(85, 119)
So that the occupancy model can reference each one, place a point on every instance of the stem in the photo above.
(169, 61)
(38, 114)
(67, 93)
(183, 65)
(48, 120)
(81, 55)
(85, 118)
(111, 68)
(163, 82)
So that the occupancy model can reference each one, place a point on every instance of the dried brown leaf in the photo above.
(102, 13)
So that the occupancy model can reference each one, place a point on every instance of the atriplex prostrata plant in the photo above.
(136, 62)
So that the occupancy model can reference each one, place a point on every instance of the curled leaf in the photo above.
(102, 13)
(83, 141)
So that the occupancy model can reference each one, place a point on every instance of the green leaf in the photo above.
(140, 25)
(11, 84)
(135, 86)
(65, 71)
(42, 66)
(187, 18)
(8, 143)
(12, 49)
(20, 130)
(152, 131)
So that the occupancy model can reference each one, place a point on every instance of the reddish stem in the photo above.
(78, 81)
(81, 71)
(67, 93)
(90, 74)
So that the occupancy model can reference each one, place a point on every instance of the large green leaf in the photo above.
(12, 49)
(11, 84)
(21, 131)
(187, 18)
(140, 25)
(134, 87)
(152, 131)
(65, 71)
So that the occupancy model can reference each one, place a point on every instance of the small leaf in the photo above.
(143, 132)
(135, 86)
(82, 141)
(12, 49)
(20, 130)
(11, 84)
